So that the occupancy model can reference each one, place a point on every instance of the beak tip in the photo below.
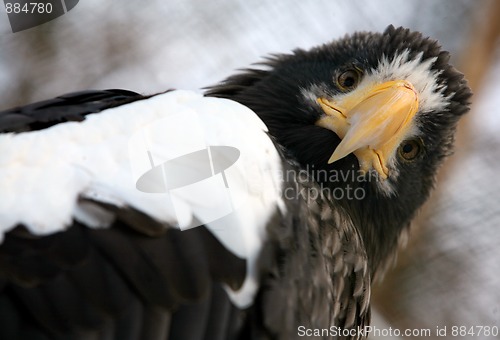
(340, 152)
(334, 157)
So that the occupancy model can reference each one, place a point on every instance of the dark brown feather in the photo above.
(116, 283)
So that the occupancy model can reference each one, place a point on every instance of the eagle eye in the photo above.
(349, 79)
(410, 149)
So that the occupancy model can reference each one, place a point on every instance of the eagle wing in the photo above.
(98, 244)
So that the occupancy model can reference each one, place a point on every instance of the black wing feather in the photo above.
(65, 108)
(87, 283)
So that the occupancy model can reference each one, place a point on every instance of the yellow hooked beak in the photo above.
(371, 122)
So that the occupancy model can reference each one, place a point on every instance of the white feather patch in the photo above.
(42, 173)
(418, 73)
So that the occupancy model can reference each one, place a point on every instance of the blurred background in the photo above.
(449, 273)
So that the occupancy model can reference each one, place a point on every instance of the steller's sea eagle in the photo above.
(262, 209)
